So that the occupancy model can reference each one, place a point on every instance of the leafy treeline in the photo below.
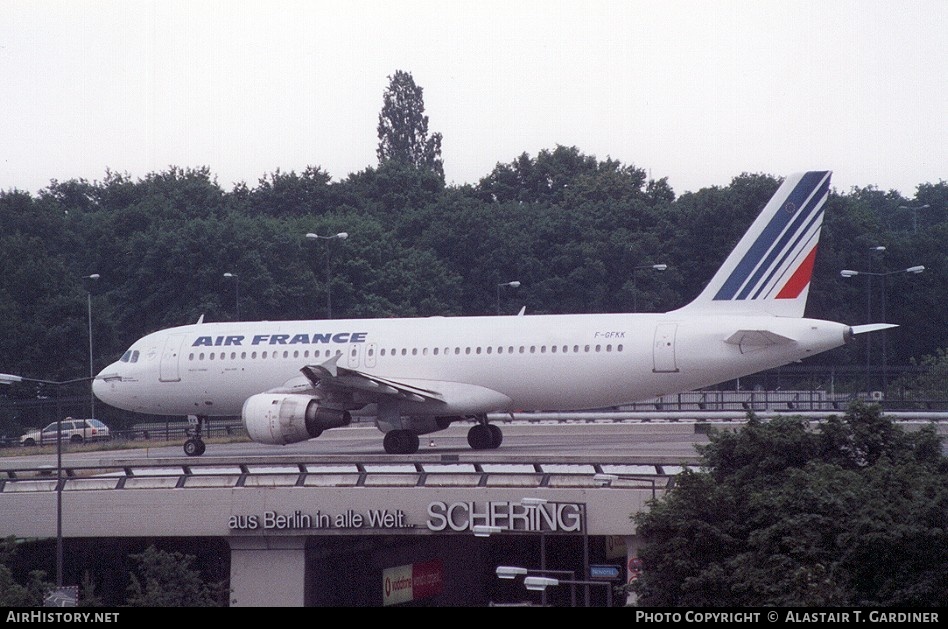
(570, 227)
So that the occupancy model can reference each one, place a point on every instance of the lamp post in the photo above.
(847, 273)
(635, 286)
(511, 572)
(236, 292)
(93, 277)
(6, 378)
(541, 583)
(513, 284)
(339, 236)
(915, 210)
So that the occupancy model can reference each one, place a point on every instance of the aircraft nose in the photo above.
(103, 383)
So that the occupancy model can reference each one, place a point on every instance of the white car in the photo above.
(73, 430)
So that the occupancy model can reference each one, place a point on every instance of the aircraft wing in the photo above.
(330, 378)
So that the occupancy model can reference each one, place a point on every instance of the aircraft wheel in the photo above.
(479, 437)
(497, 436)
(400, 442)
(410, 442)
(194, 447)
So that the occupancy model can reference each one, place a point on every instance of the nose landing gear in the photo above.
(194, 445)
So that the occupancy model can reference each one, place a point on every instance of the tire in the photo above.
(193, 447)
(77, 439)
(29, 443)
(496, 436)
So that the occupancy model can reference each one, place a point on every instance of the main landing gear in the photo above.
(194, 445)
(484, 436)
(481, 436)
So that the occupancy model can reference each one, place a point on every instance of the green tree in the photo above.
(403, 127)
(168, 579)
(853, 514)
(13, 593)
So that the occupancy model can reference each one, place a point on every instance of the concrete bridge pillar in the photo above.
(268, 571)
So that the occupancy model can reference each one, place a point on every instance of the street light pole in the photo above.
(635, 285)
(6, 378)
(882, 278)
(339, 236)
(236, 292)
(513, 284)
(93, 277)
(915, 210)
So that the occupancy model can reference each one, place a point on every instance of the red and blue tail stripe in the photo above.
(770, 268)
(780, 260)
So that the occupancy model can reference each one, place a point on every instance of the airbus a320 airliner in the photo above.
(291, 380)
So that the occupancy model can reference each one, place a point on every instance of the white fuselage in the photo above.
(534, 362)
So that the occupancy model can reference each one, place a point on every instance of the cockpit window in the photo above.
(131, 356)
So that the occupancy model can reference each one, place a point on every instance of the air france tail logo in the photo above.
(280, 339)
(779, 263)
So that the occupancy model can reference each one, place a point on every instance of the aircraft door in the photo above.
(663, 349)
(168, 368)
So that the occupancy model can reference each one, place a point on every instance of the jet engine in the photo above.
(279, 419)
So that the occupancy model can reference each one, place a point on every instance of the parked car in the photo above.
(73, 430)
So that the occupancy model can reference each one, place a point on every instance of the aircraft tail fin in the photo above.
(769, 270)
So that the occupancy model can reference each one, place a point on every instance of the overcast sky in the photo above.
(695, 91)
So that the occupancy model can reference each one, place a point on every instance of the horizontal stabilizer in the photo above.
(871, 327)
(761, 338)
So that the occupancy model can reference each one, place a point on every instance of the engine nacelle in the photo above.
(279, 419)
